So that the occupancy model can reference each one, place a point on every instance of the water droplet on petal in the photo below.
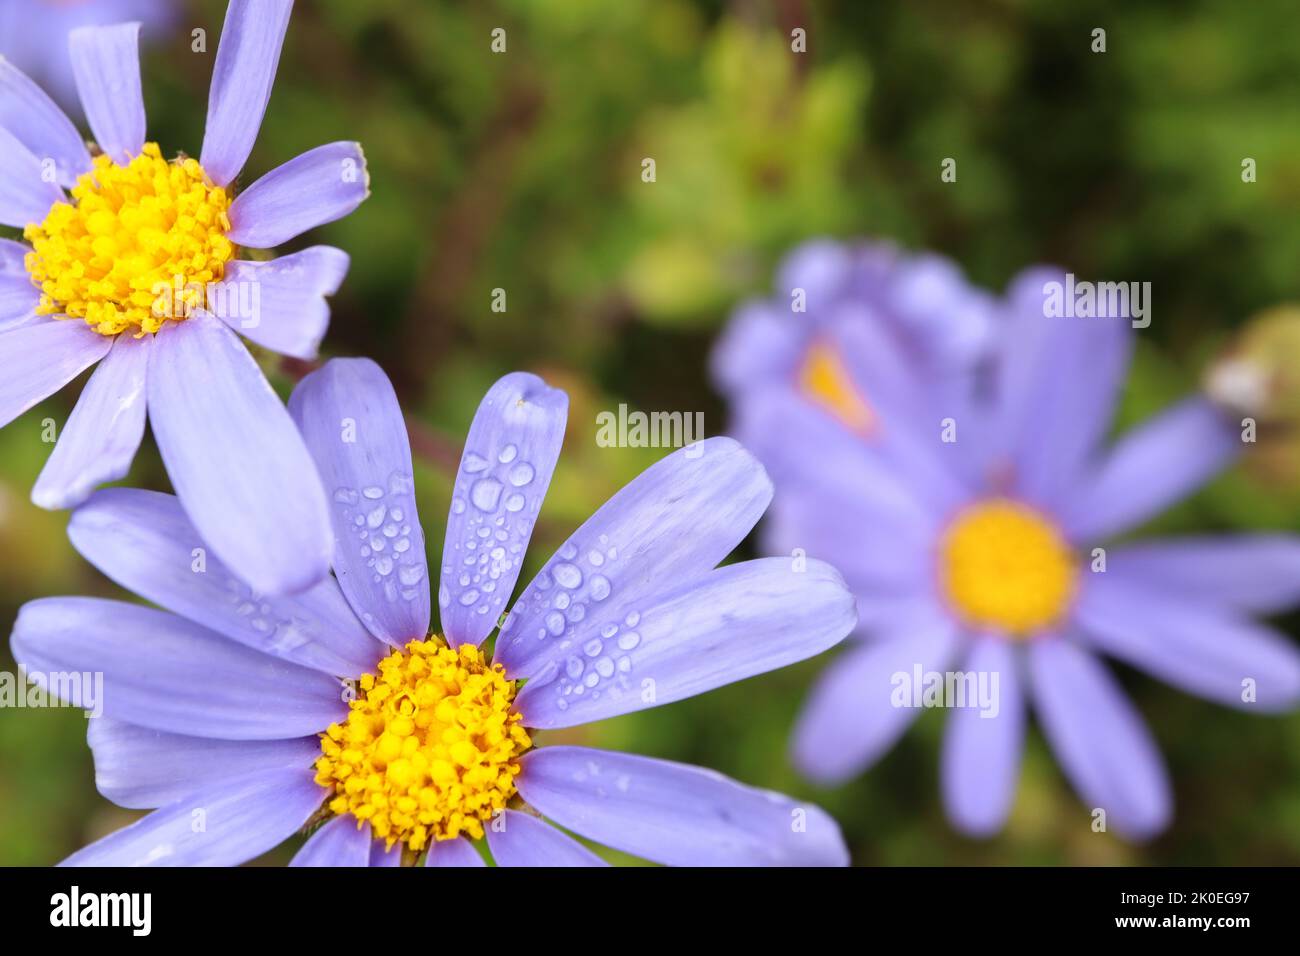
(567, 575)
(485, 494)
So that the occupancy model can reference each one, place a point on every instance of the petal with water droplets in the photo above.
(144, 542)
(157, 670)
(668, 526)
(510, 453)
(735, 622)
(674, 813)
(349, 416)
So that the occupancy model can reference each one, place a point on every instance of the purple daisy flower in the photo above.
(228, 707)
(828, 290)
(34, 34)
(968, 525)
(137, 268)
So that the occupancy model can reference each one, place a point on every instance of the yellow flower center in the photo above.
(137, 245)
(1005, 566)
(430, 749)
(824, 379)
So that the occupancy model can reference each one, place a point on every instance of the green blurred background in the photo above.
(522, 171)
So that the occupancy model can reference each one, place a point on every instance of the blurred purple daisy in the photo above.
(34, 34)
(137, 267)
(228, 707)
(967, 523)
(831, 299)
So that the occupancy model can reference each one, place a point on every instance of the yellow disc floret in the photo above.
(1006, 567)
(430, 749)
(136, 246)
(824, 379)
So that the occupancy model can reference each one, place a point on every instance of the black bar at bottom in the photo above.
(480, 905)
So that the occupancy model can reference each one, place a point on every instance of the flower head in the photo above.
(430, 748)
(337, 707)
(130, 231)
(831, 300)
(138, 264)
(972, 523)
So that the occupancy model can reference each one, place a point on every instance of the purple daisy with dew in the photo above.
(972, 525)
(137, 267)
(265, 715)
(34, 34)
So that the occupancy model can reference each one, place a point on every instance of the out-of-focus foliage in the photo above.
(761, 154)
(522, 171)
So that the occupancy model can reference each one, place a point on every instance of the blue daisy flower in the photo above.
(258, 716)
(131, 262)
(972, 514)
